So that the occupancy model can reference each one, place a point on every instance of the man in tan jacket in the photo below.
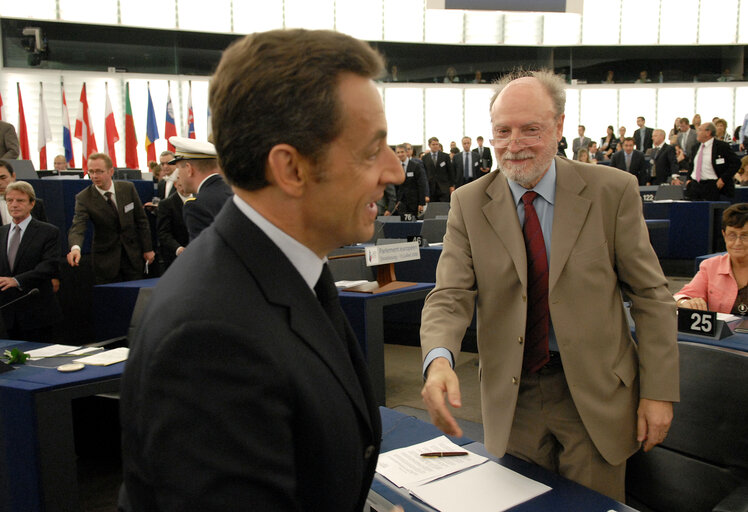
(563, 384)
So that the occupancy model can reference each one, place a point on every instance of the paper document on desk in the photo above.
(405, 467)
(50, 351)
(489, 487)
(106, 358)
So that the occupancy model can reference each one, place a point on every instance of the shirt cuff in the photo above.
(75, 247)
(433, 354)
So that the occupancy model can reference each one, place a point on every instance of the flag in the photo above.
(23, 136)
(111, 130)
(84, 130)
(190, 128)
(2, 109)
(131, 140)
(45, 131)
(151, 130)
(210, 126)
(67, 139)
(170, 128)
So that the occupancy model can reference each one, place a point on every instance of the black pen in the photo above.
(443, 454)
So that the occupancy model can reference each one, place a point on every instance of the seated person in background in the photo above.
(621, 137)
(609, 143)
(741, 177)
(721, 283)
(583, 155)
(722, 133)
(684, 163)
(60, 163)
(595, 154)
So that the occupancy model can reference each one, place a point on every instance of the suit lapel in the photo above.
(501, 214)
(28, 237)
(283, 286)
(4, 265)
(569, 214)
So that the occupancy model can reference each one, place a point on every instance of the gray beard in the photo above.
(529, 173)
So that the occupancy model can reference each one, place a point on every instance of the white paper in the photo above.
(50, 351)
(106, 358)
(406, 468)
(726, 317)
(489, 487)
(84, 351)
(349, 284)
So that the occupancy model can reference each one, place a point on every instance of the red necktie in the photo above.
(538, 315)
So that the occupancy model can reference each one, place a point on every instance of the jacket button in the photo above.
(368, 452)
(520, 340)
(524, 298)
(515, 380)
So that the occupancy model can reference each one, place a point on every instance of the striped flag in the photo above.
(2, 108)
(67, 137)
(84, 130)
(45, 131)
(131, 140)
(151, 130)
(190, 128)
(170, 128)
(23, 135)
(111, 134)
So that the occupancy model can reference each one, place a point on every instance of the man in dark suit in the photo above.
(642, 136)
(664, 161)
(439, 172)
(483, 155)
(8, 176)
(198, 171)
(239, 347)
(9, 147)
(165, 186)
(713, 167)
(466, 165)
(121, 238)
(29, 259)
(580, 142)
(631, 160)
(172, 232)
(411, 193)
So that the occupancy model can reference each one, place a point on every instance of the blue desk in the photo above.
(692, 226)
(402, 229)
(113, 305)
(38, 461)
(400, 430)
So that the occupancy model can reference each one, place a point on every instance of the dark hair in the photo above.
(629, 139)
(432, 139)
(735, 216)
(281, 87)
(6, 164)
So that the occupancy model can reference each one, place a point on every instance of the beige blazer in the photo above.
(599, 248)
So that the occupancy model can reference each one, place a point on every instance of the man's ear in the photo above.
(287, 169)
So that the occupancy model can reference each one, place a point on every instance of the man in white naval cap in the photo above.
(198, 170)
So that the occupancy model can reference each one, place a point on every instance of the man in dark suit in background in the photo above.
(172, 233)
(687, 139)
(713, 167)
(165, 186)
(198, 171)
(484, 156)
(411, 193)
(642, 136)
(9, 147)
(282, 393)
(631, 160)
(29, 259)
(122, 238)
(466, 164)
(664, 161)
(8, 176)
(439, 172)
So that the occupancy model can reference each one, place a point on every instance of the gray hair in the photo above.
(552, 83)
(23, 187)
(710, 127)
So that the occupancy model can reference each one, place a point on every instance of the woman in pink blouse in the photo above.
(722, 281)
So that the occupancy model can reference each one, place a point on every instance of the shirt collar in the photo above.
(23, 224)
(301, 257)
(201, 183)
(708, 144)
(102, 191)
(546, 187)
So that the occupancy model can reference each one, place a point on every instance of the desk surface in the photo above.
(399, 430)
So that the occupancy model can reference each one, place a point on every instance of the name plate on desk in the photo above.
(702, 323)
(391, 253)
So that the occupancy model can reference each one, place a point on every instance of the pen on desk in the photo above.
(443, 454)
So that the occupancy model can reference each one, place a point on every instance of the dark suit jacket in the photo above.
(562, 145)
(172, 233)
(725, 162)
(238, 391)
(37, 262)
(666, 164)
(38, 211)
(647, 139)
(638, 166)
(412, 192)
(133, 232)
(200, 212)
(440, 176)
(9, 147)
(484, 154)
(161, 189)
(459, 167)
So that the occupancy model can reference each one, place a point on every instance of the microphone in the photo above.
(31, 292)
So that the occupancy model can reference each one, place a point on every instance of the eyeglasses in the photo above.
(524, 142)
(734, 237)
(96, 172)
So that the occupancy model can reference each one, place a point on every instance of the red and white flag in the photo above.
(2, 108)
(84, 130)
(23, 134)
(45, 131)
(111, 130)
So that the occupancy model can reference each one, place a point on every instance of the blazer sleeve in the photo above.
(46, 243)
(10, 139)
(423, 185)
(141, 221)
(77, 230)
